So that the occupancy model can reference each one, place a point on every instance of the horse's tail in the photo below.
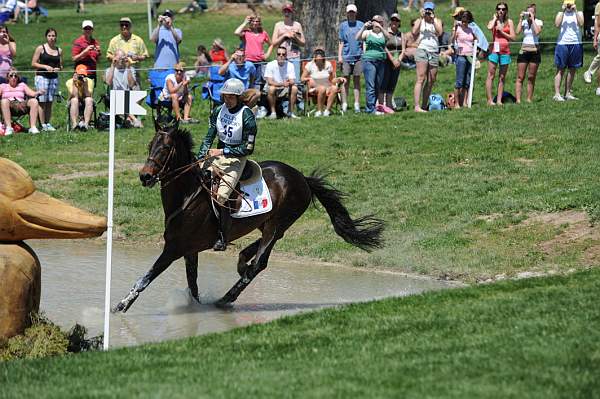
(364, 232)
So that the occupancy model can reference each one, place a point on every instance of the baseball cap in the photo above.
(81, 70)
(125, 19)
(287, 7)
(86, 23)
(168, 13)
(457, 11)
(429, 5)
(395, 16)
(351, 8)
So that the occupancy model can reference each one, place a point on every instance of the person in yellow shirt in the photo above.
(81, 91)
(132, 45)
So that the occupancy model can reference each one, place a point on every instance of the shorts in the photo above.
(529, 57)
(49, 86)
(280, 92)
(250, 97)
(422, 55)
(352, 68)
(18, 108)
(502, 59)
(568, 56)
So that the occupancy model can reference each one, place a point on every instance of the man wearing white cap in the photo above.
(86, 49)
(349, 55)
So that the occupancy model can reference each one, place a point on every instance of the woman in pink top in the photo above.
(255, 37)
(464, 38)
(503, 32)
(8, 50)
(14, 101)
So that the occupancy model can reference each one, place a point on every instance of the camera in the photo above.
(80, 77)
(369, 25)
(428, 13)
(525, 14)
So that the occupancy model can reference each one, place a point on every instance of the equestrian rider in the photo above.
(235, 125)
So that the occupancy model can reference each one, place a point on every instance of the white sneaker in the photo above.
(81, 125)
(8, 131)
(587, 77)
(262, 112)
(570, 97)
(294, 116)
(558, 97)
(378, 113)
(598, 91)
(326, 113)
(344, 107)
(318, 114)
(357, 108)
(273, 115)
(33, 130)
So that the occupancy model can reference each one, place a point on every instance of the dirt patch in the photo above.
(490, 218)
(525, 161)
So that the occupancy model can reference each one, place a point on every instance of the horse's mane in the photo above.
(184, 137)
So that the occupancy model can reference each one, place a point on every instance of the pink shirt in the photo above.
(254, 45)
(13, 93)
(464, 40)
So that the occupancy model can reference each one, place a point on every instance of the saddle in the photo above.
(250, 175)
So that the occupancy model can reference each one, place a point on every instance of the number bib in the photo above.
(230, 126)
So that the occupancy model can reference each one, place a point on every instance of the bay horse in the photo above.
(191, 224)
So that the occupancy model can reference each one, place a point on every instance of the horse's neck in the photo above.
(178, 190)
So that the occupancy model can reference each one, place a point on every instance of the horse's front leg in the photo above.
(164, 260)
(191, 272)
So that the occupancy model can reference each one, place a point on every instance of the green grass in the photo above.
(432, 178)
(533, 338)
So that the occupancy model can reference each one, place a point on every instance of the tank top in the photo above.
(530, 39)
(394, 43)
(293, 50)
(500, 42)
(464, 40)
(374, 47)
(569, 29)
(50, 60)
(428, 39)
(6, 61)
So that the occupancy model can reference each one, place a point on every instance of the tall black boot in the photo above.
(224, 226)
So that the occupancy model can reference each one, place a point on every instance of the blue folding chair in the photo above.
(211, 90)
(157, 80)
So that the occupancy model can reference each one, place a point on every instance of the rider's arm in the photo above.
(212, 133)
(248, 136)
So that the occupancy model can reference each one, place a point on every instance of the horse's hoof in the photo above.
(224, 303)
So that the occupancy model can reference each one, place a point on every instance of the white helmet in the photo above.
(233, 86)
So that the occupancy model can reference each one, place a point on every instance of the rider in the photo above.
(235, 125)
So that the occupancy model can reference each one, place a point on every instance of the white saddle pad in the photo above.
(256, 201)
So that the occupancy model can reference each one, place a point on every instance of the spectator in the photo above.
(7, 11)
(167, 39)
(595, 65)
(8, 50)
(176, 90)
(464, 37)
(81, 91)
(194, 6)
(14, 102)
(410, 49)
(529, 56)
(131, 44)
(202, 62)
(31, 6)
(47, 60)
(349, 56)
(445, 49)
(319, 76)
(408, 4)
(239, 68)
(373, 61)
(288, 33)
(426, 31)
(217, 52)
(503, 31)
(395, 45)
(482, 42)
(86, 49)
(569, 50)
(254, 38)
(281, 82)
(121, 76)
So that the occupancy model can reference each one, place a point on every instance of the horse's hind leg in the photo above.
(245, 256)
(191, 272)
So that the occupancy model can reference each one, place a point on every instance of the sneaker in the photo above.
(379, 108)
(8, 131)
(81, 125)
(587, 77)
(357, 108)
(598, 91)
(318, 114)
(273, 115)
(262, 112)
(47, 127)
(570, 97)
(558, 97)
(387, 109)
(293, 116)
(326, 113)
(344, 107)
(378, 113)
(33, 130)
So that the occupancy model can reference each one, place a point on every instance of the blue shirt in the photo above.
(352, 49)
(245, 72)
(167, 49)
(482, 42)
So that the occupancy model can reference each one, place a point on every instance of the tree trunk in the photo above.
(320, 19)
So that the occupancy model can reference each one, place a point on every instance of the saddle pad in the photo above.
(256, 201)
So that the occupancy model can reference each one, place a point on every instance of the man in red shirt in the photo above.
(86, 50)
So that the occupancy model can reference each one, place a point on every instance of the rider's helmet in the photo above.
(233, 86)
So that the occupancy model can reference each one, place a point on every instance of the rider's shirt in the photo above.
(236, 129)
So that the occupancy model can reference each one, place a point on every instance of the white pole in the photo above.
(109, 223)
(473, 62)
(149, 19)
(26, 13)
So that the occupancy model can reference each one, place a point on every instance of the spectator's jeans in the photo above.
(260, 70)
(463, 72)
(373, 70)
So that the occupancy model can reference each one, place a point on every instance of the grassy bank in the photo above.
(470, 194)
(533, 338)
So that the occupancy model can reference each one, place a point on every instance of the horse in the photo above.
(191, 223)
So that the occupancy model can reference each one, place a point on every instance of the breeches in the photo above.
(230, 169)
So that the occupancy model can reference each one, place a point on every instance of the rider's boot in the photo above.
(224, 226)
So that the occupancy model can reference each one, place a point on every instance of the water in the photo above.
(73, 291)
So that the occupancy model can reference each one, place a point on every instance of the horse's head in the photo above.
(161, 152)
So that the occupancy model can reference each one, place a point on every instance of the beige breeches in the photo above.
(231, 170)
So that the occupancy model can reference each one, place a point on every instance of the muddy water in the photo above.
(73, 291)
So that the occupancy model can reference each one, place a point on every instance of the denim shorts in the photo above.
(503, 59)
(568, 56)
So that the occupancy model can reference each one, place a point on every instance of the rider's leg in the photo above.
(230, 170)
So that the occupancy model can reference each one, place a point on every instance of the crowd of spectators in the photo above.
(375, 50)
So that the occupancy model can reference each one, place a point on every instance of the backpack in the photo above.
(400, 104)
(436, 102)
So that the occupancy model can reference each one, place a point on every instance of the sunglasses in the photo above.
(125, 25)
(88, 28)
(500, 8)
(13, 75)
(281, 54)
(179, 70)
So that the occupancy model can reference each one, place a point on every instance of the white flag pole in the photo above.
(109, 224)
(473, 62)
(149, 19)
(26, 13)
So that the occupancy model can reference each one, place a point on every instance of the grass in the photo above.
(534, 338)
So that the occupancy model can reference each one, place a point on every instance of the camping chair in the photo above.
(157, 80)
(94, 119)
(211, 90)
(308, 96)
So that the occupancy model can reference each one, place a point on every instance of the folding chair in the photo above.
(211, 90)
(312, 96)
